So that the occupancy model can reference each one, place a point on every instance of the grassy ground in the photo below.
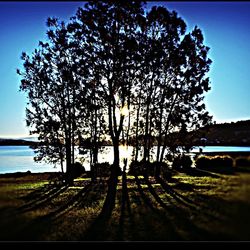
(194, 206)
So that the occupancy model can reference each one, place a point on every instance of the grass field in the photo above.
(198, 206)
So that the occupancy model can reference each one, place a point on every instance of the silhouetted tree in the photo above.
(109, 31)
(51, 81)
(173, 72)
(116, 71)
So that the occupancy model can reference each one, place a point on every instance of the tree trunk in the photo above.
(109, 203)
(69, 176)
(145, 152)
(137, 130)
(61, 160)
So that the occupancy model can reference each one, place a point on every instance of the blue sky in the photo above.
(225, 25)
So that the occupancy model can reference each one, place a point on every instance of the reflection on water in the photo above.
(20, 158)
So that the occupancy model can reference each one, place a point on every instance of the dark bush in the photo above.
(149, 168)
(166, 172)
(142, 168)
(242, 162)
(56, 178)
(182, 162)
(137, 168)
(221, 164)
(222, 161)
(102, 169)
(77, 169)
(203, 162)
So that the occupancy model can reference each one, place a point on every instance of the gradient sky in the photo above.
(225, 25)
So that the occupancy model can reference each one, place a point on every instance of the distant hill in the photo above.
(223, 134)
(15, 142)
(33, 138)
(230, 134)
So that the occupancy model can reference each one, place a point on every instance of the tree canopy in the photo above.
(116, 70)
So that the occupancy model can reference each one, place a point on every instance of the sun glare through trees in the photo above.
(123, 77)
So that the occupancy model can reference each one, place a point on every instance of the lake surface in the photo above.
(20, 158)
(209, 149)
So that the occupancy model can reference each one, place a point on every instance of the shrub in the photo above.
(166, 172)
(164, 169)
(182, 162)
(242, 162)
(137, 168)
(148, 168)
(223, 164)
(102, 169)
(186, 161)
(56, 178)
(224, 161)
(77, 169)
(203, 162)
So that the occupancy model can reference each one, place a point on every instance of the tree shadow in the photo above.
(43, 199)
(182, 218)
(177, 196)
(199, 172)
(171, 232)
(220, 170)
(87, 196)
(125, 212)
(35, 228)
(73, 202)
(39, 193)
(193, 204)
(97, 231)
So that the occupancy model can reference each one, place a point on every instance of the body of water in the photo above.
(209, 149)
(20, 158)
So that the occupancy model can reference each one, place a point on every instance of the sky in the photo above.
(225, 26)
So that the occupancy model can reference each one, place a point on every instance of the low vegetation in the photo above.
(202, 204)
(220, 163)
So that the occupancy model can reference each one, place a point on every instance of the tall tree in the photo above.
(173, 73)
(108, 30)
(51, 81)
(116, 71)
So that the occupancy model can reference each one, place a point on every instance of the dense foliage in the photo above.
(116, 71)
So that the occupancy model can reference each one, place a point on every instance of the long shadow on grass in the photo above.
(172, 233)
(39, 226)
(187, 202)
(125, 208)
(73, 202)
(213, 171)
(45, 197)
(98, 229)
(176, 195)
(39, 194)
(200, 172)
(181, 218)
(77, 200)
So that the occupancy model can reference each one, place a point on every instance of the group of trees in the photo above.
(115, 71)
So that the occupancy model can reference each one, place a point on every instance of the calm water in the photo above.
(20, 158)
(222, 149)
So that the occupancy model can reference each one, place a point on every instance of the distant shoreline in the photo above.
(25, 143)
(17, 143)
(24, 174)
